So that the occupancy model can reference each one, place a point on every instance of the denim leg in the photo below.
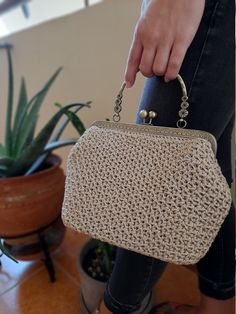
(132, 278)
(216, 270)
(208, 71)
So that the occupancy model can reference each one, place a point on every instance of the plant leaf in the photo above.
(5, 252)
(106, 259)
(54, 145)
(25, 135)
(75, 120)
(3, 173)
(36, 148)
(38, 162)
(30, 137)
(56, 135)
(26, 126)
(2, 150)
(48, 149)
(21, 109)
(77, 123)
(6, 161)
(8, 134)
(3, 167)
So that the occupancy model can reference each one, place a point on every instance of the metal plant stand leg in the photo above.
(43, 245)
(47, 257)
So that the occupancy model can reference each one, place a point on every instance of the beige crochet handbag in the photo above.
(158, 191)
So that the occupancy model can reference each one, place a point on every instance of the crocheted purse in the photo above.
(158, 191)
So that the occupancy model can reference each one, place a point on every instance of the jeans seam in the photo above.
(211, 281)
(149, 274)
(125, 304)
(204, 44)
(114, 300)
(222, 254)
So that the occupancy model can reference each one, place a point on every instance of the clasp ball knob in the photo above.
(152, 114)
(143, 114)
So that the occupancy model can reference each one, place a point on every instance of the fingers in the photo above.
(176, 58)
(146, 64)
(161, 59)
(133, 63)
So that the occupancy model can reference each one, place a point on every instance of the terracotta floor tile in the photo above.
(37, 295)
(11, 273)
(72, 241)
(69, 254)
(69, 263)
(178, 284)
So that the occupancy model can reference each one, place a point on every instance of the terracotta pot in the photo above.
(29, 203)
(91, 290)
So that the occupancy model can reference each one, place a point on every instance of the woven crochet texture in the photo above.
(161, 196)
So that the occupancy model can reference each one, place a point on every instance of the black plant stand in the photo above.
(43, 245)
(47, 257)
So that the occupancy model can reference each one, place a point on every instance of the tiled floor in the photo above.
(25, 288)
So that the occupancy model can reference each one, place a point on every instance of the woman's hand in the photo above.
(162, 37)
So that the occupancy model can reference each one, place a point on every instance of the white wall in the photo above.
(92, 45)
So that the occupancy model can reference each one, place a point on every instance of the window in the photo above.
(39, 11)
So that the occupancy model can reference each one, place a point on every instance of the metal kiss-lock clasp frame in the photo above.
(183, 112)
(145, 114)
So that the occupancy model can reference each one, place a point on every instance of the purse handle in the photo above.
(183, 112)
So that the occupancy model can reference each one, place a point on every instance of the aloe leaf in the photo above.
(6, 161)
(3, 167)
(75, 120)
(5, 252)
(21, 107)
(48, 149)
(61, 128)
(2, 150)
(30, 136)
(55, 136)
(38, 162)
(37, 146)
(25, 125)
(8, 134)
(77, 123)
(54, 145)
(27, 135)
(3, 172)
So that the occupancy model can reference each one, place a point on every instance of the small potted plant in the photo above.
(31, 179)
(95, 264)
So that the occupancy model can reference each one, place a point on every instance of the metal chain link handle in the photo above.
(183, 112)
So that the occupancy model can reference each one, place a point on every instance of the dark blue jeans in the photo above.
(208, 71)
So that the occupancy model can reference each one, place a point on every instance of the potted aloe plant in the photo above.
(31, 179)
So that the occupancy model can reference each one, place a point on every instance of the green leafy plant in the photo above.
(23, 151)
(108, 255)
